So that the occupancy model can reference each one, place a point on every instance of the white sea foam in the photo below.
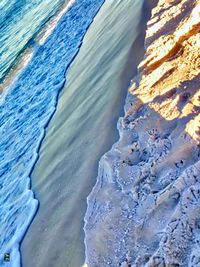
(26, 109)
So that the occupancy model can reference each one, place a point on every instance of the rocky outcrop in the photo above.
(145, 207)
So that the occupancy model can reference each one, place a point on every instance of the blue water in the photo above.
(20, 20)
(25, 111)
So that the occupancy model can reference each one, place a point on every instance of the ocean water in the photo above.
(28, 105)
(83, 128)
(20, 21)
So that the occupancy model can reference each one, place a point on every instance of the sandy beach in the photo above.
(100, 133)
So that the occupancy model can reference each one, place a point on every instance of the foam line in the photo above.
(26, 110)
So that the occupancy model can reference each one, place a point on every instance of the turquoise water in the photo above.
(20, 20)
(26, 109)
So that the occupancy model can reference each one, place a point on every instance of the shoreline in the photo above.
(83, 123)
(147, 9)
(22, 116)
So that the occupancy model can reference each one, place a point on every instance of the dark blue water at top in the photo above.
(20, 20)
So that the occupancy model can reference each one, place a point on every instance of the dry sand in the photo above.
(145, 207)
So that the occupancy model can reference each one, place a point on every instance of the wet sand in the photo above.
(82, 129)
